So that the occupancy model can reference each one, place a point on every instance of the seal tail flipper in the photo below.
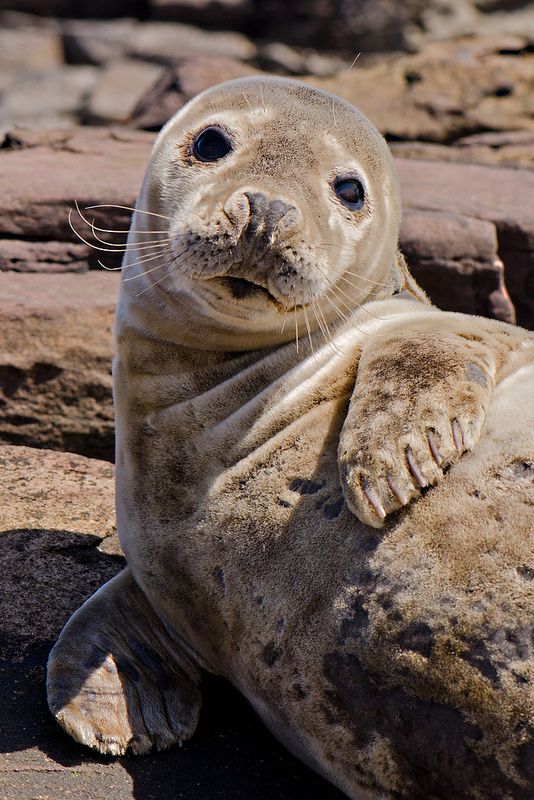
(117, 680)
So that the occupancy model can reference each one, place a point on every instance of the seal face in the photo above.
(275, 202)
(284, 391)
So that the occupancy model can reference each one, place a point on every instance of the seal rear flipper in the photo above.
(117, 679)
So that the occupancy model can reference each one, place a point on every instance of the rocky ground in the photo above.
(450, 84)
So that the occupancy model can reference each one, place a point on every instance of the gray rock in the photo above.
(30, 48)
(167, 43)
(46, 99)
(120, 87)
(96, 42)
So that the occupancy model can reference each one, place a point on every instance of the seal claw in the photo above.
(457, 435)
(401, 496)
(414, 469)
(373, 498)
(434, 449)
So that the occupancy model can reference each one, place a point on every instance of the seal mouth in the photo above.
(241, 288)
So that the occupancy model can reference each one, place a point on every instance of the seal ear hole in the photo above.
(211, 144)
(350, 190)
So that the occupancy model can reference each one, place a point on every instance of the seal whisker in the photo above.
(132, 264)
(325, 330)
(142, 274)
(354, 62)
(306, 318)
(128, 208)
(155, 283)
(126, 245)
(114, 249)
(284, 321)
(368, 280)
(108, 230)
(248, 102)
(109, 269)
(296, 322)
(355, 285)
(358, 305)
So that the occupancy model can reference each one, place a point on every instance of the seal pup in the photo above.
(285, 397)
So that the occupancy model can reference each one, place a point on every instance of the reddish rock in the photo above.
(56, 347)
(24, 256)
(505, 149)
(503, 197)
(55, 491)
(455, 259)
(43, 173)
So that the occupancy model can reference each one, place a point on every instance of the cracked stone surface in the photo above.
(57, 545)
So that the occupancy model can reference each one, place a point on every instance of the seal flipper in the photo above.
(117, 679)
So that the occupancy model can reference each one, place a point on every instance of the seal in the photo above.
(325, 485)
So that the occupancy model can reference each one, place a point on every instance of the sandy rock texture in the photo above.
(56, 347)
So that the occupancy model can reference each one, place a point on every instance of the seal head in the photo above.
(276, 200)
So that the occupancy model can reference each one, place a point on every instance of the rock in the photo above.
(455, 259)
(56, 347)
(450, 19)
(51, 98)
(179, 84)
(225, 14)
(79, 8)
(42, 173)
(94, 42)
(43, 489)
(502, 197)
(341, 25)
(23, 256)
(507, 148)
(120, 86)
(168, 43)
(279, 57)
(447, 91)
(30, 48)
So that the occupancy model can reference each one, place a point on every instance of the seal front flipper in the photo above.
(419, 402)
(118, 679)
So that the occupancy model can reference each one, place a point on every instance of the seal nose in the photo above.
(265, 215)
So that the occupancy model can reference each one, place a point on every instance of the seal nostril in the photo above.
(265, 214)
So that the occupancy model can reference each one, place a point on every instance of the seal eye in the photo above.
(351, 192)
(211, 144)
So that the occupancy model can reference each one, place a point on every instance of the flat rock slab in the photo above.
(42, 174)
(56, 346)
(56, 547)
(501, 197)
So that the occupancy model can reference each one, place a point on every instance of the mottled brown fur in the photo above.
(392, 652)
